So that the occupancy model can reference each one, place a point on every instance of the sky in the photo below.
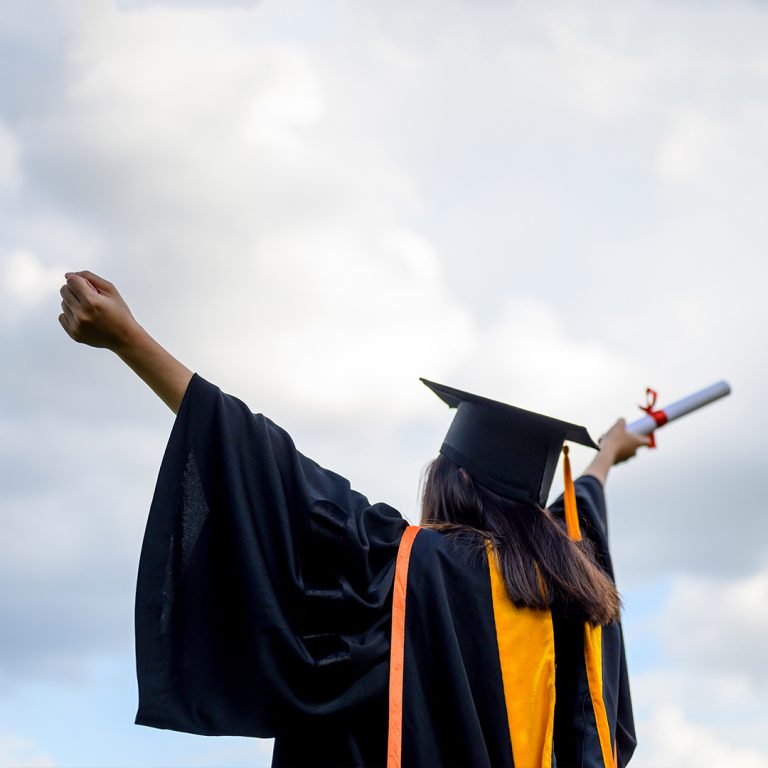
(312, 205)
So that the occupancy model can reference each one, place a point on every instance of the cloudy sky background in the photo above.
(313, 204)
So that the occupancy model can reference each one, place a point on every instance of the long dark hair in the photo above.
(538, 561)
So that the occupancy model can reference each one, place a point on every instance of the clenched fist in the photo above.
(94, 313)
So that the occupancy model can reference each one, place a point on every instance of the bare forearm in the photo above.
(160, 370)
(600, 464)
(616, 445)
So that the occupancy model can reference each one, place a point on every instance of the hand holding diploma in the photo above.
(656, 418)
(616, 446)
(622, 440)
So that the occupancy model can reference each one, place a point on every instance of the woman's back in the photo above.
(479, 679)
(265, 608)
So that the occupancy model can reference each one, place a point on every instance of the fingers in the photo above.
(80, 287)
(630, 450)
(69, 322)
(620, 429)
(71, 327)
(100, 285)
(639, 440)
(76, 306)
(69, 296)
(93, 312)
(68, 313)
(622, 444)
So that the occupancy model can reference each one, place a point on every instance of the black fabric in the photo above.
(454, 712)
(512, 451)
(575, 735)
(264, 591)
(263, 608)
(453, 698)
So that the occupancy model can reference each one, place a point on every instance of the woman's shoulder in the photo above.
(449, 550)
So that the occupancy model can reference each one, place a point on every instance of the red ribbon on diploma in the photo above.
(658, 416)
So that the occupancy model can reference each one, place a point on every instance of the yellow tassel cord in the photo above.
(569, 497)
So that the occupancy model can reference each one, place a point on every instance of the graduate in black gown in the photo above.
(275, 601)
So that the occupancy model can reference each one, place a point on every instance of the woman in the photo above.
(271, 598)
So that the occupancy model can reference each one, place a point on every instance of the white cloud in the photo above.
(361, 316)
(555, 208)
(229, 751)
(133, 5)
(9, 158)
(246, 184)
(670, 740)
(690, 146)
(26, 282)
(698, 704)
(73, 513)
(720, 624)
(607, 80)
(20, 753)
(530, 355)
(714, 145)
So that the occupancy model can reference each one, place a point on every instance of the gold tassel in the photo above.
(569, 497)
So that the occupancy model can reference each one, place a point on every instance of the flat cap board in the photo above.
(511, 451)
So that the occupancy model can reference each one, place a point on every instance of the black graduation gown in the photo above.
(264, 608)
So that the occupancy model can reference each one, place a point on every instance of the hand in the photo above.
(621, 445)
(94, 313)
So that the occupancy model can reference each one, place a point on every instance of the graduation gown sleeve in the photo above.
(575, 730)
(264, 588)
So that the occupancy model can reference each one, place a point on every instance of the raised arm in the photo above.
(616, 445)
(94, 313)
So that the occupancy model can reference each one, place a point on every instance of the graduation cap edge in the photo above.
(512, 451)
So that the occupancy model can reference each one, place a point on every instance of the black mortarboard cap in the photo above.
(511, 451)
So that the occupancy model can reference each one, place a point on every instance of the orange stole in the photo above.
(526, 648)
(397, 650)
(525, 640)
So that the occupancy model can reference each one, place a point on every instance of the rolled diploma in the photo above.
(648, 424)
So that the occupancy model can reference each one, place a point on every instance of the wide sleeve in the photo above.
(576, 740)
(264, 585)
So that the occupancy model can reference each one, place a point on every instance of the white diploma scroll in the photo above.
(686, 405)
